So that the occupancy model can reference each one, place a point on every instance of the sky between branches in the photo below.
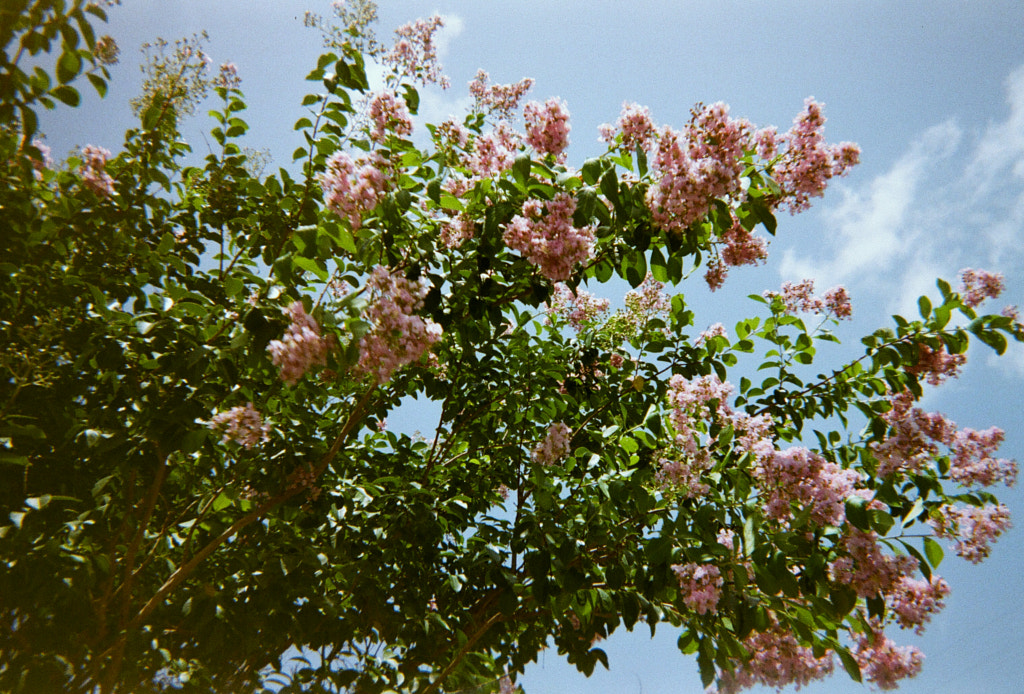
(932, 91)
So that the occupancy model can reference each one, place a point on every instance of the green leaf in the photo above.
(68, 66)
(857, 512)
(311, 265)
(67, 95)
(933, 551)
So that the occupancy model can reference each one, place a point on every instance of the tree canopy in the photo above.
(199, 359)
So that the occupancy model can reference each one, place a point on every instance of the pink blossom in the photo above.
(616, 360)
(577, 306)
(882, 662)
(93, 171)
(635, 126)
(800, 297)
(301, 348)
(714, 330)
(726, 538)
(646, 302)
(501, 99)
(352, 188)
(802, 477)
(493, 152)
(547, 127)
(973, 459)
(973, 528)
(555, 446)
(227, 77)
(389, 114)
(545, 234)
(979, 285)
(866, 568)
(776, 660)
(414, 54)
(1012, 313)
(399, 336)
(936, 365)
(913, 439)
(808, 162)
(243, 425)
(913, 601)
(700, 586)
(695, 167)
(454, 231)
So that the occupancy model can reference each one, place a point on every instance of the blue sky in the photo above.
(932, 91)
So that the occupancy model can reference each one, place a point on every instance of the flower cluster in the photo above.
(634, 124)
(545, 234)
(700, 585)
(399, 336)
(555, 446)
(740, 248)
(936, 365)
(500, 99)
(913, 601)
(577, 306)
(352, 187)
(389, 114)
(776, 660)
(800, 297)
(696, 166)
(866, 568)
(456, 230)
(93, 171)
(974, 460)
(713, 331)
(882, 662)
(414, 54)
(227, 77)
(494, 152)
(302, 346)
(547, 127)
(973, 528)
(978, 285)
(797, 475)
(808, 162)
(243, 425)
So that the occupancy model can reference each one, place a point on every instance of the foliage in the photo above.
(198, 363)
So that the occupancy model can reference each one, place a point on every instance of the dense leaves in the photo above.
(198, 485)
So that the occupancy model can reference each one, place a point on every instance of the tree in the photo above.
(199, 361)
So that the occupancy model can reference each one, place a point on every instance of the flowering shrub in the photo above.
(589, 468)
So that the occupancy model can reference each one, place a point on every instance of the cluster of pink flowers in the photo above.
(973, 528)
(882, 662)
(227, 77)
(978, 285)
(936, 365)
(800, 297)
(913, 439)
(646, 302)
(697, 166)
(634, 124)
(576, 306)
(502, 99)
(683, 467)
(93, 171)
(715, 330)
(493, 152)
(243, 425)
(302, 346)
(547, 127)
(808, 162)
(913, 601)
(776, 660)
(414, 54)
(700, 585)
(741, 248)
(389, 114)
(798, 475)
(456, 230)
(555, 446)
(866, 568)
(399, 336)
(545, 234)
(974, 460)
(352, 187)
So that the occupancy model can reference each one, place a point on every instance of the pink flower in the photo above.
(700, 586)
(577, 307)
(93, 171)
(352, 188)
(979, 285)
(555, 446)
(802, 477)
(501, 99)
(715, 330)
(547, 127)
(227, 77)
(937, 365)
(882, 662)
(414, 54)
(634, 124)
(776, 660)
(974, 462)
(389, 114)
(545, 234)
(808, 162)
(399, 336)
(974, 529)
(866, 568)
(800, 297)
(301, 348)
(243, 425)
(913, 602)
(494, 152)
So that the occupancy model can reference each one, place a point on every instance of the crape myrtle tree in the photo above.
(198, 362)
